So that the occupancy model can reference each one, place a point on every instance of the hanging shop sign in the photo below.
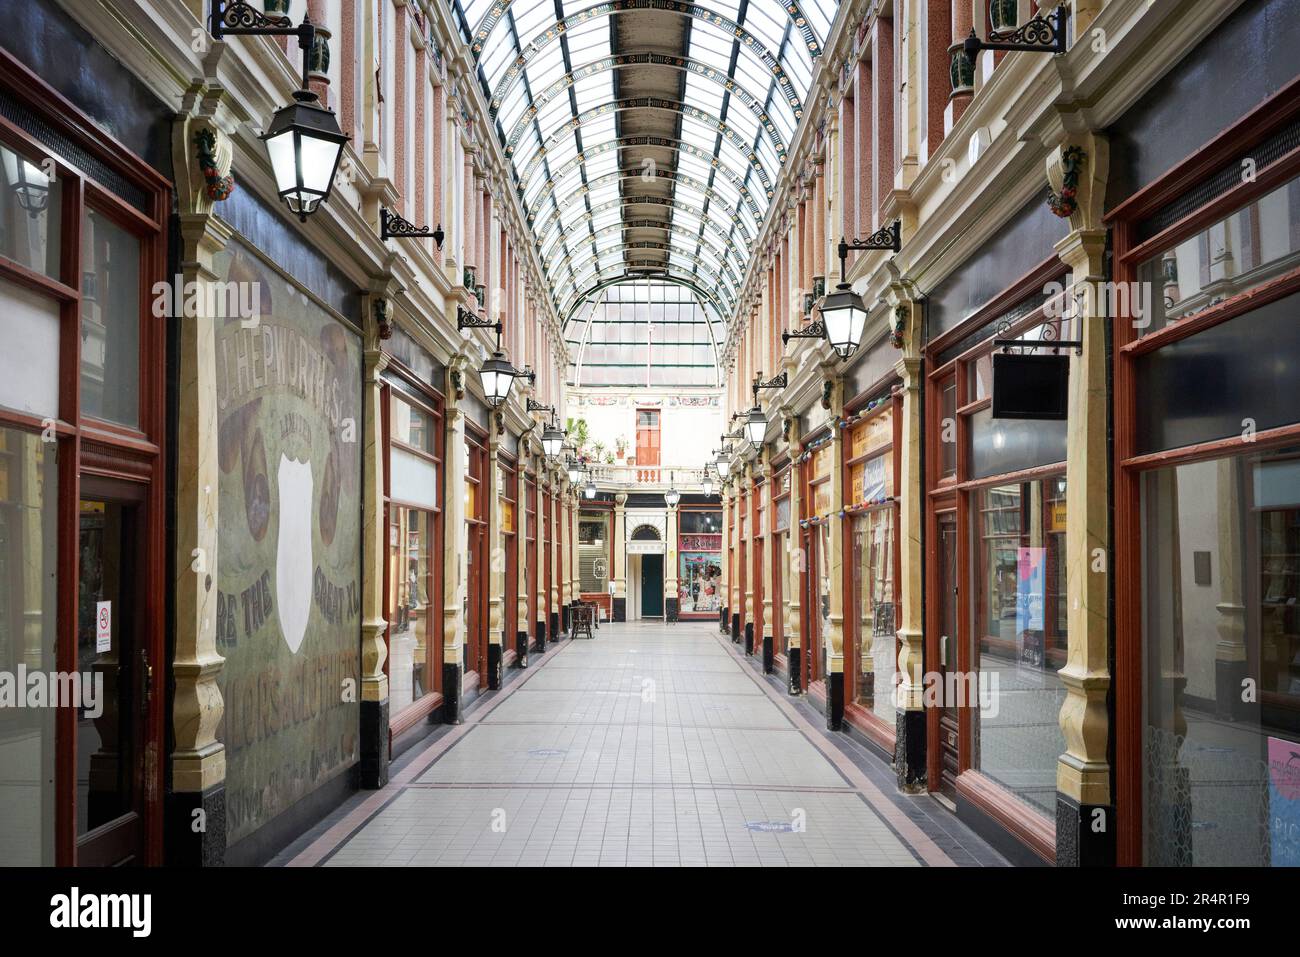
(1030, 386)
(289, 554)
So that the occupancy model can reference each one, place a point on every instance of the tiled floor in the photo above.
(651, 745)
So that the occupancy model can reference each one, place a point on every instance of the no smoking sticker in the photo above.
(103, 626)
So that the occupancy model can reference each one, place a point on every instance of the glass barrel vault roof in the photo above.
(562, 81)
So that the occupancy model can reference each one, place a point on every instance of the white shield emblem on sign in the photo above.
(293, 561)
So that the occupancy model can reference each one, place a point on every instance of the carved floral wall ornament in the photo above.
(219, 186)
(1066, 202)
(899, 334)
(457, 384)
(827, 388)
(382, 321)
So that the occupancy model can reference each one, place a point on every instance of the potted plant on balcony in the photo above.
(620, 448)
(577, 429)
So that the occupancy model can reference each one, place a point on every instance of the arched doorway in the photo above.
(646, 561)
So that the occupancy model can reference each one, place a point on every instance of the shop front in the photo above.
(699, 556)
(1208, 494)
(413, 573)
(782, 577)
(508, 543)
(871, 587)
(995, 627)
(478, 572)
(83, 240)
(815, 572)
(594, 536)
(532, 529)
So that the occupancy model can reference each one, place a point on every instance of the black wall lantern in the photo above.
(552, 439)
(496, 374)
(303, 139)
(756, 421)
(844, 317)
(392, 226)
(672, 496)
(723, 462)
(1044, 33)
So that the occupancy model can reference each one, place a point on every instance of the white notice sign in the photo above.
(103, 626)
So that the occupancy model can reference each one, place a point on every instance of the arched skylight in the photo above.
(645, 136)
(647, 332)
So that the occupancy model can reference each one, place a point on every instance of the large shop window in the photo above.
(414, 547)
(871, 625)
(781, 557)
(1221, 588)
(1020, 634)
(1208, 507)
(110, 321)
(873, 569)
(28, 535)
(699, 550)
(593, 552)
(410, 648)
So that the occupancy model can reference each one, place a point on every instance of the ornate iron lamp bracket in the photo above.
(392, 226)
(1044, 33)
(238, 18)
(886, 237)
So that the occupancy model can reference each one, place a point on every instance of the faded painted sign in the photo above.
(288, 608)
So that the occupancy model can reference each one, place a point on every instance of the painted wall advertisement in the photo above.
(288, 608)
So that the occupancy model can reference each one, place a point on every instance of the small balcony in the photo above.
(652, 478)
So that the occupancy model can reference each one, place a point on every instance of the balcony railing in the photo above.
(648, 476)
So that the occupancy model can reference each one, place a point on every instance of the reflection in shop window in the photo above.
(1019, 614)
(410, 670)
(110, 321)
(873, 569)
(1240, 252)
(1221, 635)
(29, 213)
(28, 523)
